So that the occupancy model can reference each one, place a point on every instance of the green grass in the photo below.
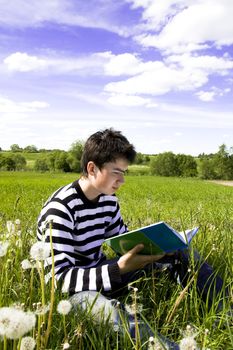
(183, 203)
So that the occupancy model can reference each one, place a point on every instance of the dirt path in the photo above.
(223, 182)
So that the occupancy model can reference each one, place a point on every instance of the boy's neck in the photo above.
(90, 192)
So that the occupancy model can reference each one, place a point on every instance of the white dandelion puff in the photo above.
(15, 323)
(3, 248)
(66, 346)
(116, 328)
(188, 343)
(27, 343)
(64, 307)
(40, 251)
(26, 264)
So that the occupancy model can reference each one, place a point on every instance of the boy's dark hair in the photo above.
(106, 146)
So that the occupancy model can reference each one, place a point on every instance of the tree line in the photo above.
(207, 166)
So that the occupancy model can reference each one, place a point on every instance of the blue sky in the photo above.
(160, 71)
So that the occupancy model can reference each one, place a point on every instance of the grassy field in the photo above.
(183, 203)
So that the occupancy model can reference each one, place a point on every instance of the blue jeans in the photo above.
(107, 307)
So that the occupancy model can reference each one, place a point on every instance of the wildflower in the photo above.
(79, 331)
(64, 307)
(26, 264)
(17, 222)
(66, 346)
(155, 344)
(42, 310)
(188, 343)
(14, 323)
(3, 248)
(40, 251)
(27, 343)
(134, 308)
(10, 226)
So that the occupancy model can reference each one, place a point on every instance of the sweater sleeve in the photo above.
(72, 278)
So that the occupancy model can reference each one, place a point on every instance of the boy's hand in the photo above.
(133, 261)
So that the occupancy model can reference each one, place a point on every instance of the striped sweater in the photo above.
(79, 228)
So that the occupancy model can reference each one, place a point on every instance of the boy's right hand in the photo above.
(133, 261)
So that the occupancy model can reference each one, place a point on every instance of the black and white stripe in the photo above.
(79, 228)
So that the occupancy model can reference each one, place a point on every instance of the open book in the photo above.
(157, 238)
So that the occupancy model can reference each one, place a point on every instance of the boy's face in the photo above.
(109, 179)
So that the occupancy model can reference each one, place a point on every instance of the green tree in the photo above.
(223, 163)
(187, 165)
(30, 149)
(164, 164)
(74, 156)
(15, 148)
(207, 169)
(41, 164)
(20, 161)
(61, 162)
(7, 163)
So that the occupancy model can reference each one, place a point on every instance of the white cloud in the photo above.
(187, 25)
(124, 64)
(10, 106)
(23, 62)
(128, 100)
(206, 96)
(212, 64)
(177, 73)
(159, 80)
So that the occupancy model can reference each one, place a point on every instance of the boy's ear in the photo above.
(91, 168)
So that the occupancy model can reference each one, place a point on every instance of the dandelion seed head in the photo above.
(3, 248)
(116, 328)
(188, 343)
(64, 307)
(27, 343)
(14, 323)
(40, 251)
(26, 264)
(66, 346)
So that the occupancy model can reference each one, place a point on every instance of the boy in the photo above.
(83, 215)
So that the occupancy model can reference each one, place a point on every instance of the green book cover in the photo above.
(157, 238)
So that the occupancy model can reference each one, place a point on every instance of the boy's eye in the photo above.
(119, 172)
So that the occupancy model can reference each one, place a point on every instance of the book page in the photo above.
(187, 235)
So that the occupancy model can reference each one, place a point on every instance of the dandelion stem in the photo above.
(42, 282)
(52, 288)
(5, 343)
(31, 286)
